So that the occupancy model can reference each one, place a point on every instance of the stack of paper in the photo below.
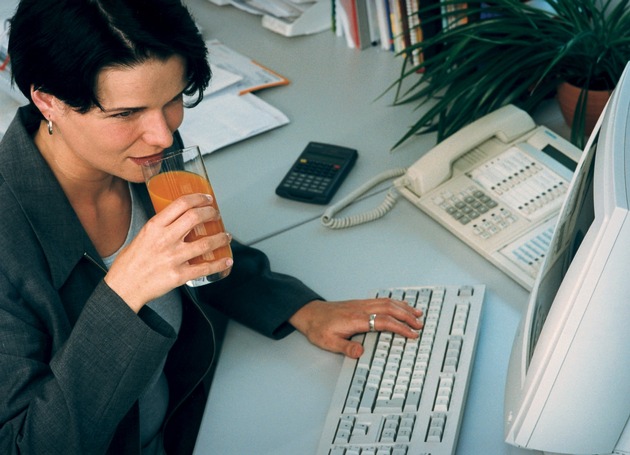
(229, 111)
(288, 17)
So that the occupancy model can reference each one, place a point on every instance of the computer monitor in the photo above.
(568, 381)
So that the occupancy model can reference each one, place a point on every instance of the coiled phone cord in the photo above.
(328, 218)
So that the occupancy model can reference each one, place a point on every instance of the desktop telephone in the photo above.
(497, 184)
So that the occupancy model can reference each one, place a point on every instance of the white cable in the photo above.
(331, 222)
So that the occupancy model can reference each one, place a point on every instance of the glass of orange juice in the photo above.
(175, 175)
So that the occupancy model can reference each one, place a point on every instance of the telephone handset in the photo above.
(507, 124)
(497, 184)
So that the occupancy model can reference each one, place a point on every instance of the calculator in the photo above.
(317, 173)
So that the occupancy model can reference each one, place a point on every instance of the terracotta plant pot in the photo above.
(568, 95)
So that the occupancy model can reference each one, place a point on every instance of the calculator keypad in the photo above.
(311, 176)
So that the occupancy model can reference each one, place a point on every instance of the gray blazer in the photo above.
(74, 358)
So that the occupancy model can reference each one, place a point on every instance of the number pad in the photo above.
(466, 206)
(312, 176)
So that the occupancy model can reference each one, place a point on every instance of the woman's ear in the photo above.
(45, 102)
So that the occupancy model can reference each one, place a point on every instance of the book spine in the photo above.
(450, 16)
(404, 22)
(349, 7)
(415, 30)
(395, 19)
(363, 24)
(347, 15)
(375, 36)
(385, 29)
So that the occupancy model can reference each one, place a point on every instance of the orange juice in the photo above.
(164, 188)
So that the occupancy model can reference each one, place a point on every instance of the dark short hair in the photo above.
(61, 46)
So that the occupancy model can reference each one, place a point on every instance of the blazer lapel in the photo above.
(57, 227)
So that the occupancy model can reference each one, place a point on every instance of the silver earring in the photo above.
(50, 127)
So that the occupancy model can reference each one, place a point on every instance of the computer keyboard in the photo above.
(406, 396)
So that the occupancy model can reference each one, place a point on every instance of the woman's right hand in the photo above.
(156, 261)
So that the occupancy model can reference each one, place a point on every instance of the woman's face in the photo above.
(142, 107)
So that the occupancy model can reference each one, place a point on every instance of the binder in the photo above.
(384, 26)
(356, 25)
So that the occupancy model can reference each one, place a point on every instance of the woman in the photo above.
(102, 348)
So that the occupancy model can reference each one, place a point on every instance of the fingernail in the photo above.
(209, 197)
(229, 237)
(229, 262)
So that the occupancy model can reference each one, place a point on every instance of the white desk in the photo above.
(272, 397)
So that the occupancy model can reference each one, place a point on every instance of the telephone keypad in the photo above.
(466, 206)
(472, 205)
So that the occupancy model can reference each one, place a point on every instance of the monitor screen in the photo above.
(574, 221)
(567, 388)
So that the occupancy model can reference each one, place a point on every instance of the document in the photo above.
(226, 118)
(254, 76)
(221, 79)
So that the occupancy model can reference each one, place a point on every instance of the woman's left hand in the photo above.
(330, 325)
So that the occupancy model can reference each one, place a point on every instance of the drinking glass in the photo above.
(175, 175)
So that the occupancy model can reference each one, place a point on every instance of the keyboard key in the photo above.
(413, 400)
(392, 405)
(352, 405)
(466, 291)
(436, 427)
(388, 435)
(398, 294)
(441, 404)
(342, 436)
(368, 399)
(434, 435)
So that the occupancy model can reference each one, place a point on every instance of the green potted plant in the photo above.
(512, 52)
